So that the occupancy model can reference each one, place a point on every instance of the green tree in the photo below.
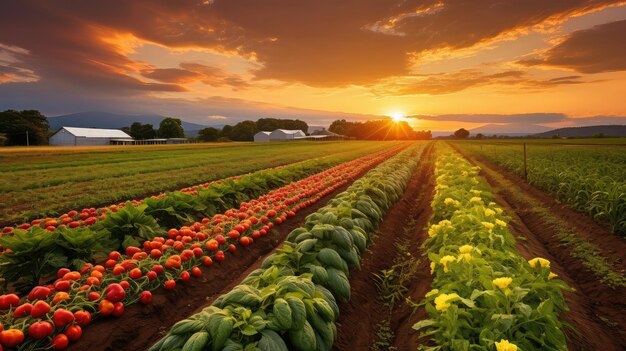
(171, 128)
(225, 132)
(479, 136)
(141, 131)
(209, 134)
(3, 139)
(243, 131)
(462, 133)
(18, 125)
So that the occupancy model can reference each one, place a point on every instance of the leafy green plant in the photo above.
(129, 226)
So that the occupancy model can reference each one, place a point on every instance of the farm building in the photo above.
(262, 137)
(285, 134)
(87, 136)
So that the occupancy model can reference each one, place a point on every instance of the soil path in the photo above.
(141, 326)
(597, 312)
(357, 324)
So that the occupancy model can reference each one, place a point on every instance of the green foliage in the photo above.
(141, 131)
(462, 133)
(129, 226)
(171, 128)
(174, 209)
(209, 134)
(15, 124)
(38, 254)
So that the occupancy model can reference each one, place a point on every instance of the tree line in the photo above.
(378, 130)
(245, 130)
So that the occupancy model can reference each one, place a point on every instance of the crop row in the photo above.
(290, 303)
(53, 314)
(485, 296)
(590, 179)
(35, 254)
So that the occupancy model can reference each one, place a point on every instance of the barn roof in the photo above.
(290, 131)
(97, 132)
(263, 132)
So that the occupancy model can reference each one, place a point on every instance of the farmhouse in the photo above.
(88, 136)
(262, 137)
(286, 134)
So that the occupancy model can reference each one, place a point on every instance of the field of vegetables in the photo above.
(590, 178)
(355, 246)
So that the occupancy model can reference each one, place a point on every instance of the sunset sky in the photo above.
(447, 63)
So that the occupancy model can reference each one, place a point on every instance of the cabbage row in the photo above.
(485, 296)
(290, 303)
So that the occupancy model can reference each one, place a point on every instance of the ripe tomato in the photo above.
(93, 296)
(11, 337)
(157, 268)
(40, 330)
(232, 248)
(135, 273)
(118, 309)
(212, 245)
(125, 284)
(145, 297)
(197, 252)
(220, 239)
(62, 285)
(170, 284)
(118, 269)
(23, 310)
(39, 293)
(245, 241)
(71, 275)
(207, 261)
(105, 307)
(184, 276)
(74, 332)
(82, 317)
(61, 272)
(115, 292)
(39, 309)
(114, 255)
(155, 253)
(62, 317)
(219, 256)
(9, 300)
(60, 342)
(196, 272)
(151, 275)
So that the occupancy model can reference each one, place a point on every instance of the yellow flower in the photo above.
(476, 192)
(499, 210)
(476, 199)
(552, 275)
(442, 302)
(432, 267)
(501, 223)
(538, 261)
(445, 223)
(465, 257)
(489, 212)
(505, 345)
(465, 249)
(444, 261)
(488, 225)
(432, 292)
(503, 282)
(450, 201)
(431, 231)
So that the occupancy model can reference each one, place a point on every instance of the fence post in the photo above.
(525, 165)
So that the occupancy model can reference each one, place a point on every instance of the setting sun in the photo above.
(397, 116)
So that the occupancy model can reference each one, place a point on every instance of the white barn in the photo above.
(87, 136)
(285, 134)
(262, 137)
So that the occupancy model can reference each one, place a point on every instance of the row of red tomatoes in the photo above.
(166, 260)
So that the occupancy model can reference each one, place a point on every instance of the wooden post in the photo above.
(525, 165)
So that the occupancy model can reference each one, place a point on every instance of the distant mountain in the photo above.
(510, 129)
(608, 130)
(113, 121)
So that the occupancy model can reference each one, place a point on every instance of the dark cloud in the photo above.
(194, 72)
(595, 50)
(319, 43)
(452, 82)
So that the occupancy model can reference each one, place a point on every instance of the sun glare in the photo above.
(397, 116)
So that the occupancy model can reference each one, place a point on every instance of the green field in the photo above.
(45, 181)
(590, 178)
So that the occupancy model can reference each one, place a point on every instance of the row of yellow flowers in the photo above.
(485, 296)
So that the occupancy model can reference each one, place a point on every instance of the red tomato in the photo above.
(115, 292)
(170, 284)
(60, 342)
(219, 256)
(118, 269)
(11, 337)
(207, 261)
(114, 255)
(39, 293)
(157, 268)
(105, 307)
(184, 276)
(172, 233)
(196, 272)
(135, 273)
(256, 234)
(220, 239)
(140, 256)
(39, 309)
(197, 252)
(212, 245)
(7, 301)
(40, 330)
(61, 272)
(233, 234)
(145, 297)
(82, 317)
(125, 284)
(71, 276)
(155, 253)
(93, 296)
(245, 241)
(62, 317)
(62, 285)
(232, 248)
(74, 332)
(23, 310)
(151, 275)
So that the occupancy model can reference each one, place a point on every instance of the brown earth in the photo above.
(596, 311)
(142, 326)
(357, 324)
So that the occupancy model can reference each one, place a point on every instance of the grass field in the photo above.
(43, 181)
